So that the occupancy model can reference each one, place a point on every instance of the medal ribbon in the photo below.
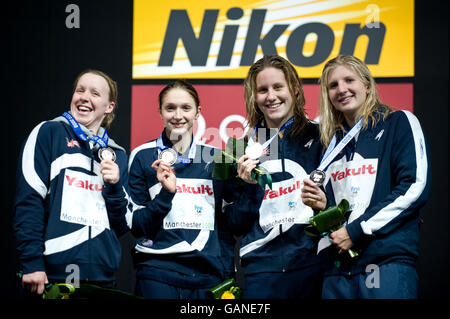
(286, 125)
(183, 160)
(333, 149)
(101, 141)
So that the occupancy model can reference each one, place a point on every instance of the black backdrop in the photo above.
(41, 57)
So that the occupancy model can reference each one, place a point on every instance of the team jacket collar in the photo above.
(111, 142)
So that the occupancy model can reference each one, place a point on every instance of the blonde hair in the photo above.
(295, 88)
(113, 94)
(331, 119)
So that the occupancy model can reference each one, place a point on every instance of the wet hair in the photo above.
(294, 83)
(113, 93)
(331, 119)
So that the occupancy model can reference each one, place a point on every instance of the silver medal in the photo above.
(318, 177)
(168, 156)
(107, 153)
(254, 151)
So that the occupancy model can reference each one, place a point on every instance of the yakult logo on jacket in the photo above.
(362, 170)
(202, 189)
(75, 182)
(282, 191)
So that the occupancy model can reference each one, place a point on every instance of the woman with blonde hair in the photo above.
(332, 119)
(377, 159)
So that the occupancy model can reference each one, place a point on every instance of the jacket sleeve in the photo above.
(33, 178)
(243, 209)
(117, 199)
(410, 180)
(148, 214)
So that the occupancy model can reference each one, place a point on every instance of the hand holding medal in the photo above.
(310, 192)
(165, 173)
(109, 169)
(228, 167)
(106, 153)
(168, 156)
(318, 177)
(246, 165)
(312, 195)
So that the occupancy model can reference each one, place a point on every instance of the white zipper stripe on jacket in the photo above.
(73, 160)
(401, 203)
(28, 169)
(151, 144)
(66, 242)
(181, 247)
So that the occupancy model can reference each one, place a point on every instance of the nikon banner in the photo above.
(220, 39)
(212, 39)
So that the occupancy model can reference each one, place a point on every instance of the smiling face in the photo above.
(178, 111)
(90, 101)
(273, 97)
(346, 92)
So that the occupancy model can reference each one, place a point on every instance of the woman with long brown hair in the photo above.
(278, 258)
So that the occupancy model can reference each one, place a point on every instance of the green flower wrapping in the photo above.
(58, 291)
(225, 164)
(328, 221)
(225, 290)
(85, 291)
